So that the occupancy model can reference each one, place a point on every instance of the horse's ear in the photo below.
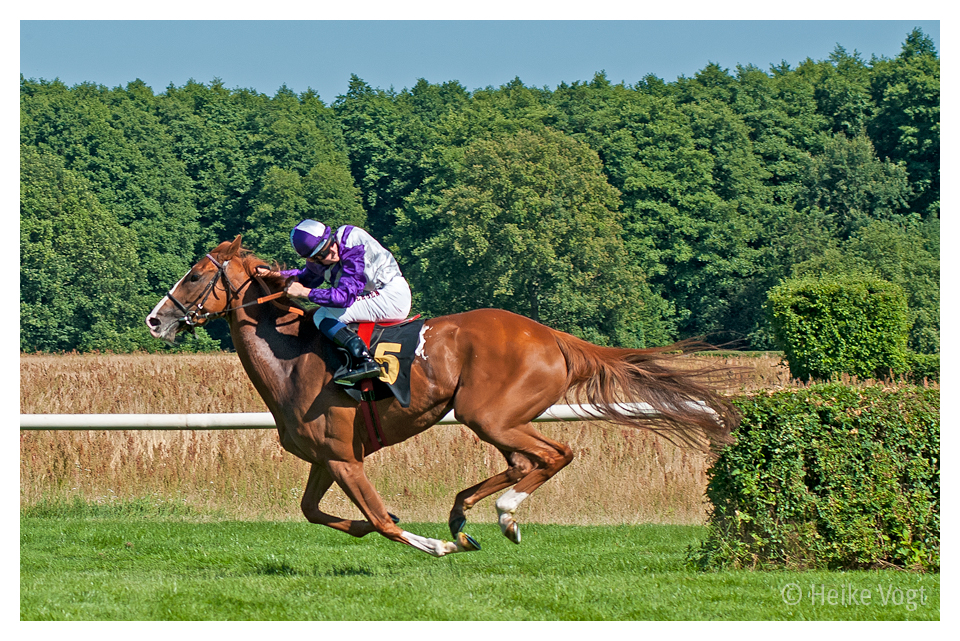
(232, 250)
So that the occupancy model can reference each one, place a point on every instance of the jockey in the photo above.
(365, 284)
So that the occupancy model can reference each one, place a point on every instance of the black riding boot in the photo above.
(361, 364)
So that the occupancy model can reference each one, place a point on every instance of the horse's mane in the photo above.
(251, 262)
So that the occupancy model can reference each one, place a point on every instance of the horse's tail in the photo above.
(687, 408)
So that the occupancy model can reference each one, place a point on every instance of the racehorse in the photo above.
(495, 370)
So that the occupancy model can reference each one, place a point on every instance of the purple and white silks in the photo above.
(365, 267)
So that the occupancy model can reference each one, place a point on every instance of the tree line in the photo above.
(626, 214)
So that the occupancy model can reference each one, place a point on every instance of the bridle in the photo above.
(193, 314)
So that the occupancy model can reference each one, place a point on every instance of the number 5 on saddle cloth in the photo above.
(394, 346)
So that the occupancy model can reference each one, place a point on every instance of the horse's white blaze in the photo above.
(434, 547)
(422, 343)
(156, 309)
(161, 330)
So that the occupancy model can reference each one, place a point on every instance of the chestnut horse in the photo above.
(496, 370)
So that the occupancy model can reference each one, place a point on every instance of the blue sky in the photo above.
(321, 54)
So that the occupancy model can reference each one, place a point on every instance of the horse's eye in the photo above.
(194, 278)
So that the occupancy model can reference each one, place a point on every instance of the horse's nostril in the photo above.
(153, 321)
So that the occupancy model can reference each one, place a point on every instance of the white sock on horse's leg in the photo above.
(507, 505)
(434, 547)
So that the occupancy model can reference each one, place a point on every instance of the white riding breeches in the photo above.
(391, 303)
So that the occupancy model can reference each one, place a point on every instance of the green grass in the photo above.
(135, 563)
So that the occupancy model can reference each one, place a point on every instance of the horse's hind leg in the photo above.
(519, 466)
(549, 457)
(541, 458)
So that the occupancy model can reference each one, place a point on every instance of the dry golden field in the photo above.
(618, 476)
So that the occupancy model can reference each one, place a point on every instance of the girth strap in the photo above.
(368, 398)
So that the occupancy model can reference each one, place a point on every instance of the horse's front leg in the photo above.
(318, 483)
(350, 476)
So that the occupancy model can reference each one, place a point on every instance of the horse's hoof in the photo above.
(466, 542)
(456, 525)
(512, 532)
(395, 519)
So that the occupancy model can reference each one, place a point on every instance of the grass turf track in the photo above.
(105, 565)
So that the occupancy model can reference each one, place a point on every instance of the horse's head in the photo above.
(205, 291)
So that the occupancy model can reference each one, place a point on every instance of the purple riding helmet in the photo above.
(310, 238)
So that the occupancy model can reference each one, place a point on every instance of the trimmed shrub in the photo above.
(829, 326)
(829, 476)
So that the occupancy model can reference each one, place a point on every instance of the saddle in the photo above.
(393, 345)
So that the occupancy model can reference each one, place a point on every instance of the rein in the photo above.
(196, 316)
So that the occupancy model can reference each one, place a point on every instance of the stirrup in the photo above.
(368, 369)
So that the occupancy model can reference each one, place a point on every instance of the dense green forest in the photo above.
(626, 214)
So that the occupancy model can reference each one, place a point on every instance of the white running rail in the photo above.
(264, 420)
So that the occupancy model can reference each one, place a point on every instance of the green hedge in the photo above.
(830, 476)
(835, 325)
